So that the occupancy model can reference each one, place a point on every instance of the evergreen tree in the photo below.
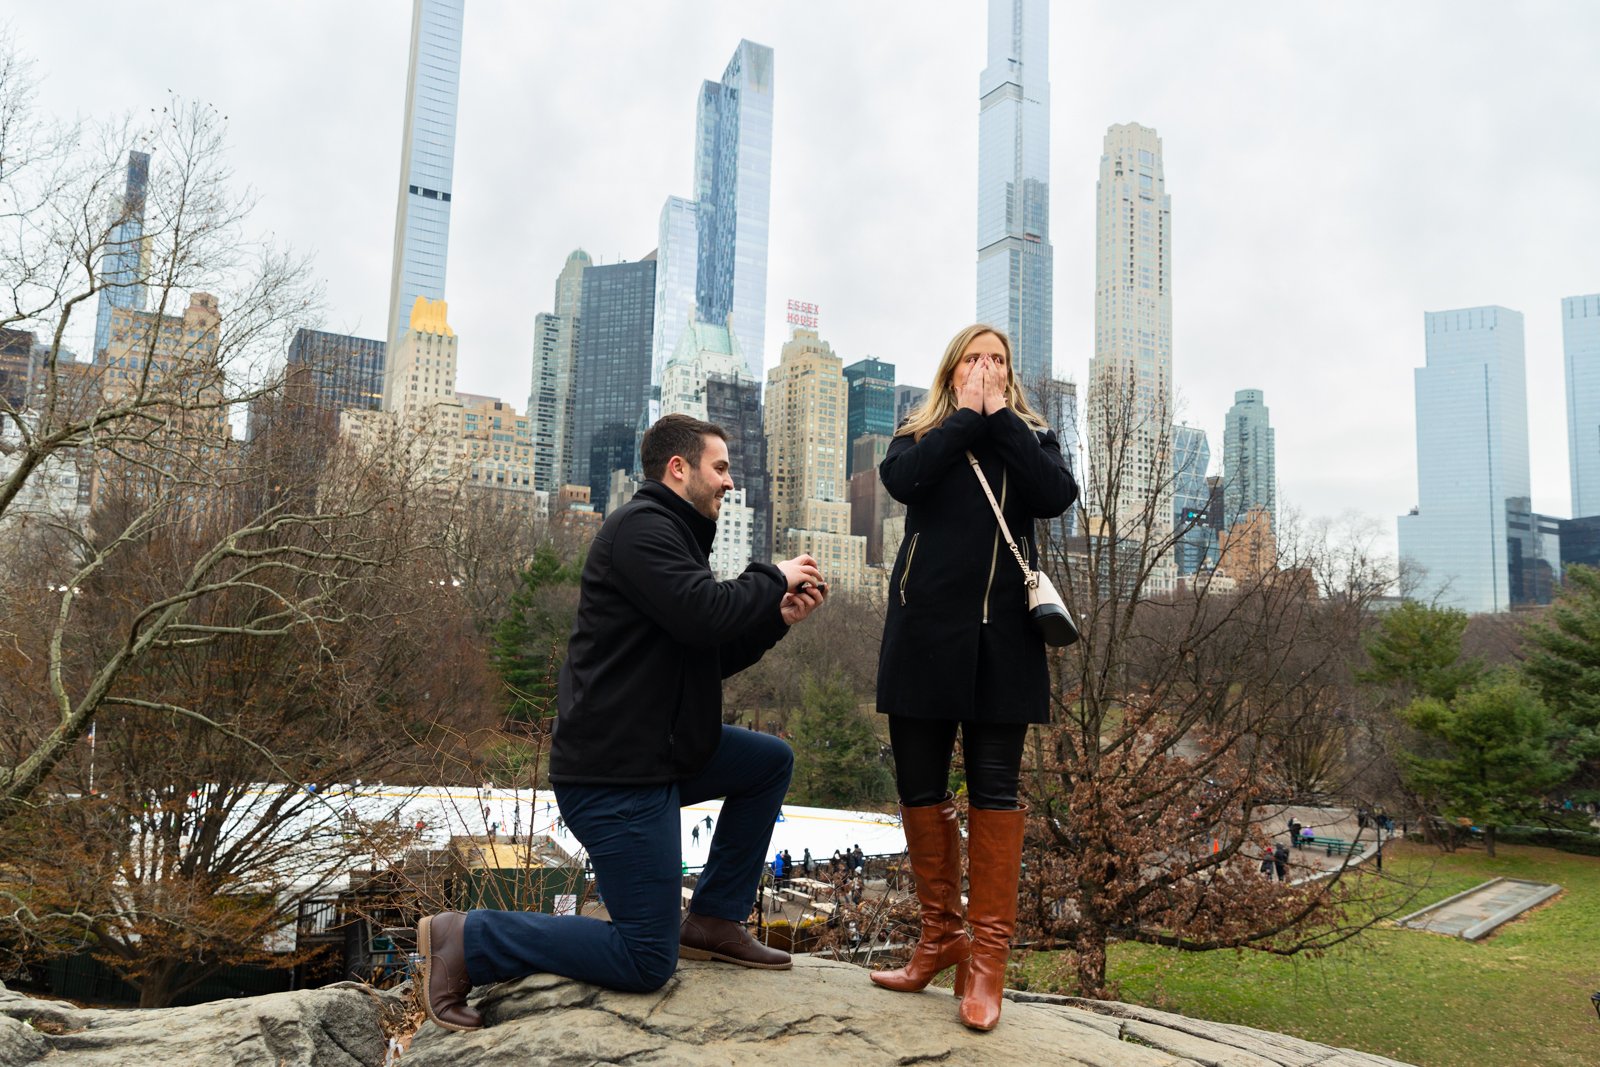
(1499, 754)
(837, 752)
(531, 641)
(1417, 649)
(1563, 664)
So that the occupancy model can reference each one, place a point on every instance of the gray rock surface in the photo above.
(713, 1015)
(316, 1028)
(708, 1015)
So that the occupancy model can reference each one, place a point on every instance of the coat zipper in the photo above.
(905, 575)
(994, 554)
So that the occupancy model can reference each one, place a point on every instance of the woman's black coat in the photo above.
(957, 640)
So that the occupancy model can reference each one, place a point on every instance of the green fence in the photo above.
(522, 888)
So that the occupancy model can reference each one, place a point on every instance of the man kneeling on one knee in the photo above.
(639, 735)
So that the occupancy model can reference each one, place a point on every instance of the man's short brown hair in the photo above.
(675, 435)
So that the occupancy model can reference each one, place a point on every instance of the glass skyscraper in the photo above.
(1249, 458)
(611, 374)
(733, 401)
(871, 403)
(1015, 259)
(122, 269)
(733, 184)
(1472, 460)
(677, 260)
(326, 373)
(344, 371)
(1580, 335)
(427, 160)
(1191, 499)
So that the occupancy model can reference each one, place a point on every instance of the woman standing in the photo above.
(959, 651)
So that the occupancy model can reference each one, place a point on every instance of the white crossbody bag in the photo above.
(1045, 606)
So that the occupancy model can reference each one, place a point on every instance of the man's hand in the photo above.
(994, 389)
(802, 568)
(796, 606)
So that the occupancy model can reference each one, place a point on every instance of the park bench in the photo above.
(1337, 847)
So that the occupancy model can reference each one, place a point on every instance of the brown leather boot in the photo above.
(705, 938)
(994, 862)
(443, 984)
(933, 843)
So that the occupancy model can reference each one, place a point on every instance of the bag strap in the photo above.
(1027, 572)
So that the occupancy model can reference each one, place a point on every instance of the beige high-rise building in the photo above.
(166, 358)
(160, 354)
(806, 423)
(453, 439)
(1248, 550)
(1129, 410)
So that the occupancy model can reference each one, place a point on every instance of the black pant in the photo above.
(922, 751)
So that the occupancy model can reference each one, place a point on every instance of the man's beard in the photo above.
(703, 495)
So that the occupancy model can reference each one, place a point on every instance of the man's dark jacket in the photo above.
(640, 695)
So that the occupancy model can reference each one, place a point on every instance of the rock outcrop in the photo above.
(708, 1015)
(339, 1027)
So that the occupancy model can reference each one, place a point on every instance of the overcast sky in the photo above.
(1335, 169)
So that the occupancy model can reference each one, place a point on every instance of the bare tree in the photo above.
(214, 795)
(1183, 708)
(201, 309)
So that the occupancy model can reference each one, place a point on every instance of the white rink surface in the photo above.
(466, 811)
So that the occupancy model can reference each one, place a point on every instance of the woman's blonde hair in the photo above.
(941, 401)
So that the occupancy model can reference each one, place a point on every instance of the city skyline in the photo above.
(1302, 273)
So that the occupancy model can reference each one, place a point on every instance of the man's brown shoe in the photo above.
(705, 938)
(443, 985)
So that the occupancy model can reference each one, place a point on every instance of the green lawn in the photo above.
(1519, 998)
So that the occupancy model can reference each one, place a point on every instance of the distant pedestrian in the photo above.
(1294, 831)
(694, 834)
(1280, 861)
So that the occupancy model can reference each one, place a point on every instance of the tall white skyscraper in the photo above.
(1249, 458)
(1015, 259)
(1580, 335)
(733, 184)
(1472, 460)
(427, 159)
(1129, 410)
(677, 258)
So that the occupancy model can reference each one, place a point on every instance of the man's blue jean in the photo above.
(633, 836)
